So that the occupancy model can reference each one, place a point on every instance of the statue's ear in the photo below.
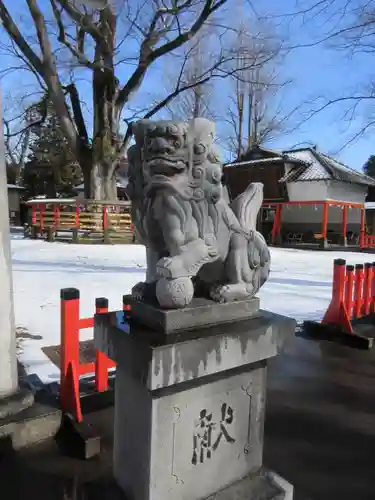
(141, 129)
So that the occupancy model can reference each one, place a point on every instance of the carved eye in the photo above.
(199, 149)
(150, 128)
(177, 143)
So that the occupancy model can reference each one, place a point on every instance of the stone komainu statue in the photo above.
(196, 242)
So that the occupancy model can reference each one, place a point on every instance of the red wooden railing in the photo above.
(71, 367)
(353, 294)
(368, 241)
(49, 217)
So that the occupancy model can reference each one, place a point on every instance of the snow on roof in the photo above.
(370, 205)
(14, 186)
(253, 163)
(122, 182)
(41, 199)
(319, 166)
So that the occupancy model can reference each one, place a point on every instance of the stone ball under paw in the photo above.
(174, 293)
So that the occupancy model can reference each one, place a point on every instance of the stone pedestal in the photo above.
(189, 408)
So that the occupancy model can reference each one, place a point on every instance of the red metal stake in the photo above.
(349, 290)
(69, 342)
(336, 313)
(102, 361)
(358, 290)
(368, 276)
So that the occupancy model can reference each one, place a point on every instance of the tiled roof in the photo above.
(319, 166)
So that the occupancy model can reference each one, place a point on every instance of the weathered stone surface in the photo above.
(264, 485)
(35, 424)
(16, 402)
(173, 359)
(201, 312)
(189, 407)
(187, 444)
(180, 212)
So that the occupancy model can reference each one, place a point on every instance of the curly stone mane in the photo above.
(196, 193)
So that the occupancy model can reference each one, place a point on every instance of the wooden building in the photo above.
(15, 194)
(318, 197)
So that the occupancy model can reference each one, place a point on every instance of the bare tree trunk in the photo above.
(103, 181)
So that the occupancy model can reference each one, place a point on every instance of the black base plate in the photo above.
(78, 440)
(334, 333)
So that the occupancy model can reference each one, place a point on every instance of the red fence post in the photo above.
(325, 222)
(362, 243)
(105, 217)
(77, 215)
(33, 215)
(69, 355)
(275, 226)
(358, 290)
(336, 313)
(349, 290)
(105, 225)
(41, 217)
(56, 216)
(101, 361)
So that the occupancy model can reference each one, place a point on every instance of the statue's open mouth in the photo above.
(165, 167)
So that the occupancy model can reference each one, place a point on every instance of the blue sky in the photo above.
(323, 72)
(314, 71)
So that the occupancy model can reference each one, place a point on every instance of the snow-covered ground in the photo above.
(299, 286)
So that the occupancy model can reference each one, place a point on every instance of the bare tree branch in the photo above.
(77, 113)
(148, 55)
(62, 38)
(15, 34)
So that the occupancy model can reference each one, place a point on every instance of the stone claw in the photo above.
(231, 292)
(217, 293)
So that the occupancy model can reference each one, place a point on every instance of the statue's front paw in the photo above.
(218, 293)
(232, 292)
(170, 268)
